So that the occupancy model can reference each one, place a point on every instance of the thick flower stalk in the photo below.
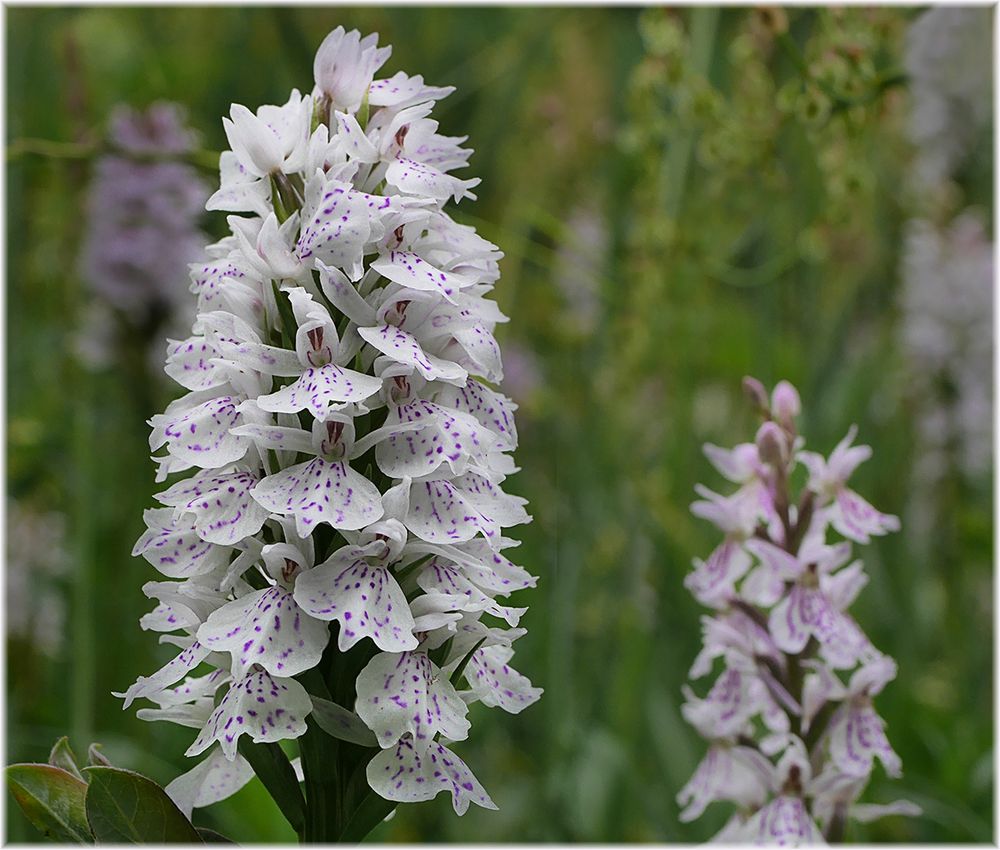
(793, 734)
(334, 531)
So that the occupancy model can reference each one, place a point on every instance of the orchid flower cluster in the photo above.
(142, 229)
(143, 206)
(338, 533)
(793, 733)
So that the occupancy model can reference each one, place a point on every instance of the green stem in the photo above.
(46, 147)
(673, 177)
(275, 772)
(323, 792)
(84, 523)
(838, 824)
(52, 149)
(289, 327)
(323, 780)
(460, 669)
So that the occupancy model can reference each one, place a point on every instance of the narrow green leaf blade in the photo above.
(62, 756)
(53, 800)
(340, 723)
(210, 836)
(460, 669)
(275, 771)
(126, 808)
(372, 811)
(367, 809)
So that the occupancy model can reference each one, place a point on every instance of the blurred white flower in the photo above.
(947, 333)
(579, 265)
(949, 62)
(36, 561)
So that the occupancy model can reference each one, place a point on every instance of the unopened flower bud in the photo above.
(345, 65)
(785, 404)
(754, 390)
(772, 444)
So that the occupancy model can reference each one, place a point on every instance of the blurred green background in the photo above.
(684, 197)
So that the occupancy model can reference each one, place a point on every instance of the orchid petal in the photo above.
(224, 511)
(406, 694)
(402, 347)
(365, 600)
(266, 628)
(173, 545)
(496, 683)
(439, 513)
(200, 434)
(212, 780)
(407, 776)
(321, 390)
(265, 708)
(321, 491)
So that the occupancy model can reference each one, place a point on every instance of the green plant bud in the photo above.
(813, 246)
(709, 150)
(741, 50)
(661, 34)
(706, 103)
(832, 69)
(813, 107)
(787, 97)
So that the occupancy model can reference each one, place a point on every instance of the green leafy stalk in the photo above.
(460, 669)
(275, 772)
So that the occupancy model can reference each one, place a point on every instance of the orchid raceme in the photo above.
(793, 734)
(333, 528)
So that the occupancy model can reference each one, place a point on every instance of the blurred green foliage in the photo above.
(745, 172)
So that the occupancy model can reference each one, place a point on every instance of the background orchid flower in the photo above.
(780, 590)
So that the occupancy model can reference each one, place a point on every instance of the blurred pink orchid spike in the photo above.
(792, 744)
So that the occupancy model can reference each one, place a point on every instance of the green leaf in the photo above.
(340, 723)
(289, 327)
(126, 808)
(275, 771)
(460, 669)
(404, 573)
(62, 756)
(369, 814)
(371, 810)
(440, 653)
(210, 836)
(53, 800)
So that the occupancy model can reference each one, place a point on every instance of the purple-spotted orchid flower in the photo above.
(849, 514)
(334, 522)
(793, 733)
